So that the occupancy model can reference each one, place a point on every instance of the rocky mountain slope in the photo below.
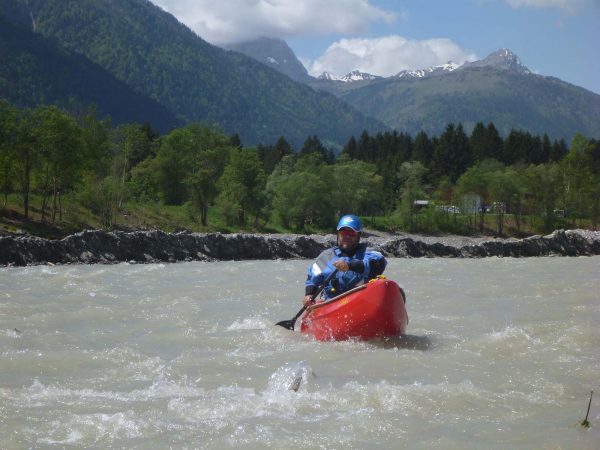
(498, 89)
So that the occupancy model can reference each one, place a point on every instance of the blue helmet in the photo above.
(350, 221)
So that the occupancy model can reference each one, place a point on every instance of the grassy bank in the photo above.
(136, 216)
(132, 216)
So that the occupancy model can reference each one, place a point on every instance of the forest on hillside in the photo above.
(453, 182)
(130, 57)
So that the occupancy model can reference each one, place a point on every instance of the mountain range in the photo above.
(158, 58)
(138, 63)
(35, 71)
(498, 89)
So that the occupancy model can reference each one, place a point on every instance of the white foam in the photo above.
(249, 323)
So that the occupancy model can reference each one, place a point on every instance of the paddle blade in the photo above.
(287, 324)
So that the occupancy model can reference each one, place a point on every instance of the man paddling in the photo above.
(354, 262)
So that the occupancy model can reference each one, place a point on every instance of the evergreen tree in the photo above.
(595, 155)
(478, 142)
(452, 154)
(403, 147)
(422, 149)
(276, 153)
(351, 148)
(495, 142)
(312, 144)
(365, 147)
(485, 142)
(521, 146)
(536, 148)
(558, 151)
(546, 149)
(515, 147)
(235, 141)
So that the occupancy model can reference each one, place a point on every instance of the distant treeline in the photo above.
(438, 183)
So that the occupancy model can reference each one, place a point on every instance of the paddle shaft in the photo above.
(289, 324)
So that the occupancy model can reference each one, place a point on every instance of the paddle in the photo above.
(289, 324)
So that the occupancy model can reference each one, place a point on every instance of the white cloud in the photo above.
(387, 55)
(567, 5)
(223, 22)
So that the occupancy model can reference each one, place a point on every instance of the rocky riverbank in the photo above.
(91, 247)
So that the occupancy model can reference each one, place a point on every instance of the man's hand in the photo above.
(307, 300)
(341, 265)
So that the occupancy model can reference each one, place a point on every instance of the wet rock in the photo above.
(107, 247)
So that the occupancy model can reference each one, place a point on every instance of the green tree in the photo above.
(558, 151)
(299, 201)
(351, 149)
(521, 146)
(208, 165)
(506, 192)
(273, 154)
(452, 154)
(8, 117)
(61, 155)
(241, 187)
(101, 197)
(365, 147)
(422, 149)
(542, 189)
(578, 178)
(134, 143)
(356, 188)
(26, 148)
(145, 182)
(410, 176)
(476, 181)
(485, 142)
(312, 144)
(96, 139)
(235, 141)
(179, 165)
(299, 192)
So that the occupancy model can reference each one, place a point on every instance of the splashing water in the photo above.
(500, 353)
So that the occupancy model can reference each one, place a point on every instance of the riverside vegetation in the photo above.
(63, 172)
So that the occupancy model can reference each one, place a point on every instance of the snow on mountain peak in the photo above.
(326, 76)
(357, 75)
(430, 71)
(502, 59)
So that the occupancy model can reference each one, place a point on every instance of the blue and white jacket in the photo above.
(364, 264)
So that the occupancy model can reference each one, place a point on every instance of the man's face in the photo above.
(347, 239)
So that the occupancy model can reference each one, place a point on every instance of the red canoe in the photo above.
(373, 310)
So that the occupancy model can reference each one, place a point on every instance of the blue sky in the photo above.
(559, 38)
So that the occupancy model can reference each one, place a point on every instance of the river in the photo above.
(501, 353)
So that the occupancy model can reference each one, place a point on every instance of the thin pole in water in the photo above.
(586, 422)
